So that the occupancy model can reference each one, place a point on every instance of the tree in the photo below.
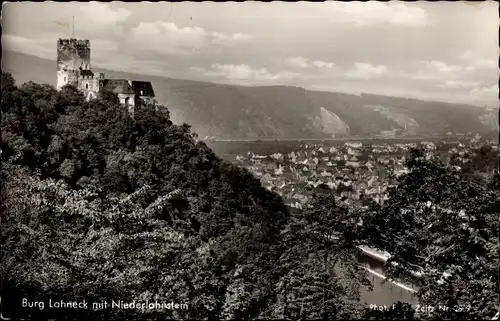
(482, 163)
(73, 244)
(109, 96)
(439, 221)
(69, 96)
(320, 276)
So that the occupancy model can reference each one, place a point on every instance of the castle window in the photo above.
(64, 79)
(86, 86)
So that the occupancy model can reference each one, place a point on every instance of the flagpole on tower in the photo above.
(73, 28)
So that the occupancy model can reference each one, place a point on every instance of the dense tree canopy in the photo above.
(438, 220)
(321, 278)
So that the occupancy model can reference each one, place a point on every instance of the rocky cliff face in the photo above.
(400, 119)
(332, 124)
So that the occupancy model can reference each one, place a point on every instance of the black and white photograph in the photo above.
(250, 160)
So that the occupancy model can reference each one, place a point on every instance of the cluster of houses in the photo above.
(354, 172)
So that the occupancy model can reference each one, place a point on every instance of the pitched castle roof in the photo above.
(118, 86)
(143, 88)
(123, 86)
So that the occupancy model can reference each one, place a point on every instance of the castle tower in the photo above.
(73, 55)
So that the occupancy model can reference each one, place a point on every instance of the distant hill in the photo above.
(228, 111)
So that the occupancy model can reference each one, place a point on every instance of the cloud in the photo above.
(482, 64)
(443, 67)
(301, 62)
(323, 64)
(162, 36)
(485, 93)
(168, 37)
(366, 71)
(103, 49)
(432, 71)
(101, 45)
(375, 12)
(229, 39)
(457, 84)
(242, 72)
(475, 62)
(43, 47)
(101, 14)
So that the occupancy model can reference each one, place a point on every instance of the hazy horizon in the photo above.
(430, 51)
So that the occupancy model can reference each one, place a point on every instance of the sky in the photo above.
(444, 51)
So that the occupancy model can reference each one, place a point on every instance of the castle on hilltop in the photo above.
(73, 67)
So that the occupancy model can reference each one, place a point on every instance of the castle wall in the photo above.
(72, 77)
(123, 99)
(62, 78)
(98, 81)
(129, 102)
(90, 86)
(73, 54)
(67, 76)
(86, 86)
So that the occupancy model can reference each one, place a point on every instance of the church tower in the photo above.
(73, 56)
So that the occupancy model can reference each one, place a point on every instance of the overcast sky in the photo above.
(443, 51)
